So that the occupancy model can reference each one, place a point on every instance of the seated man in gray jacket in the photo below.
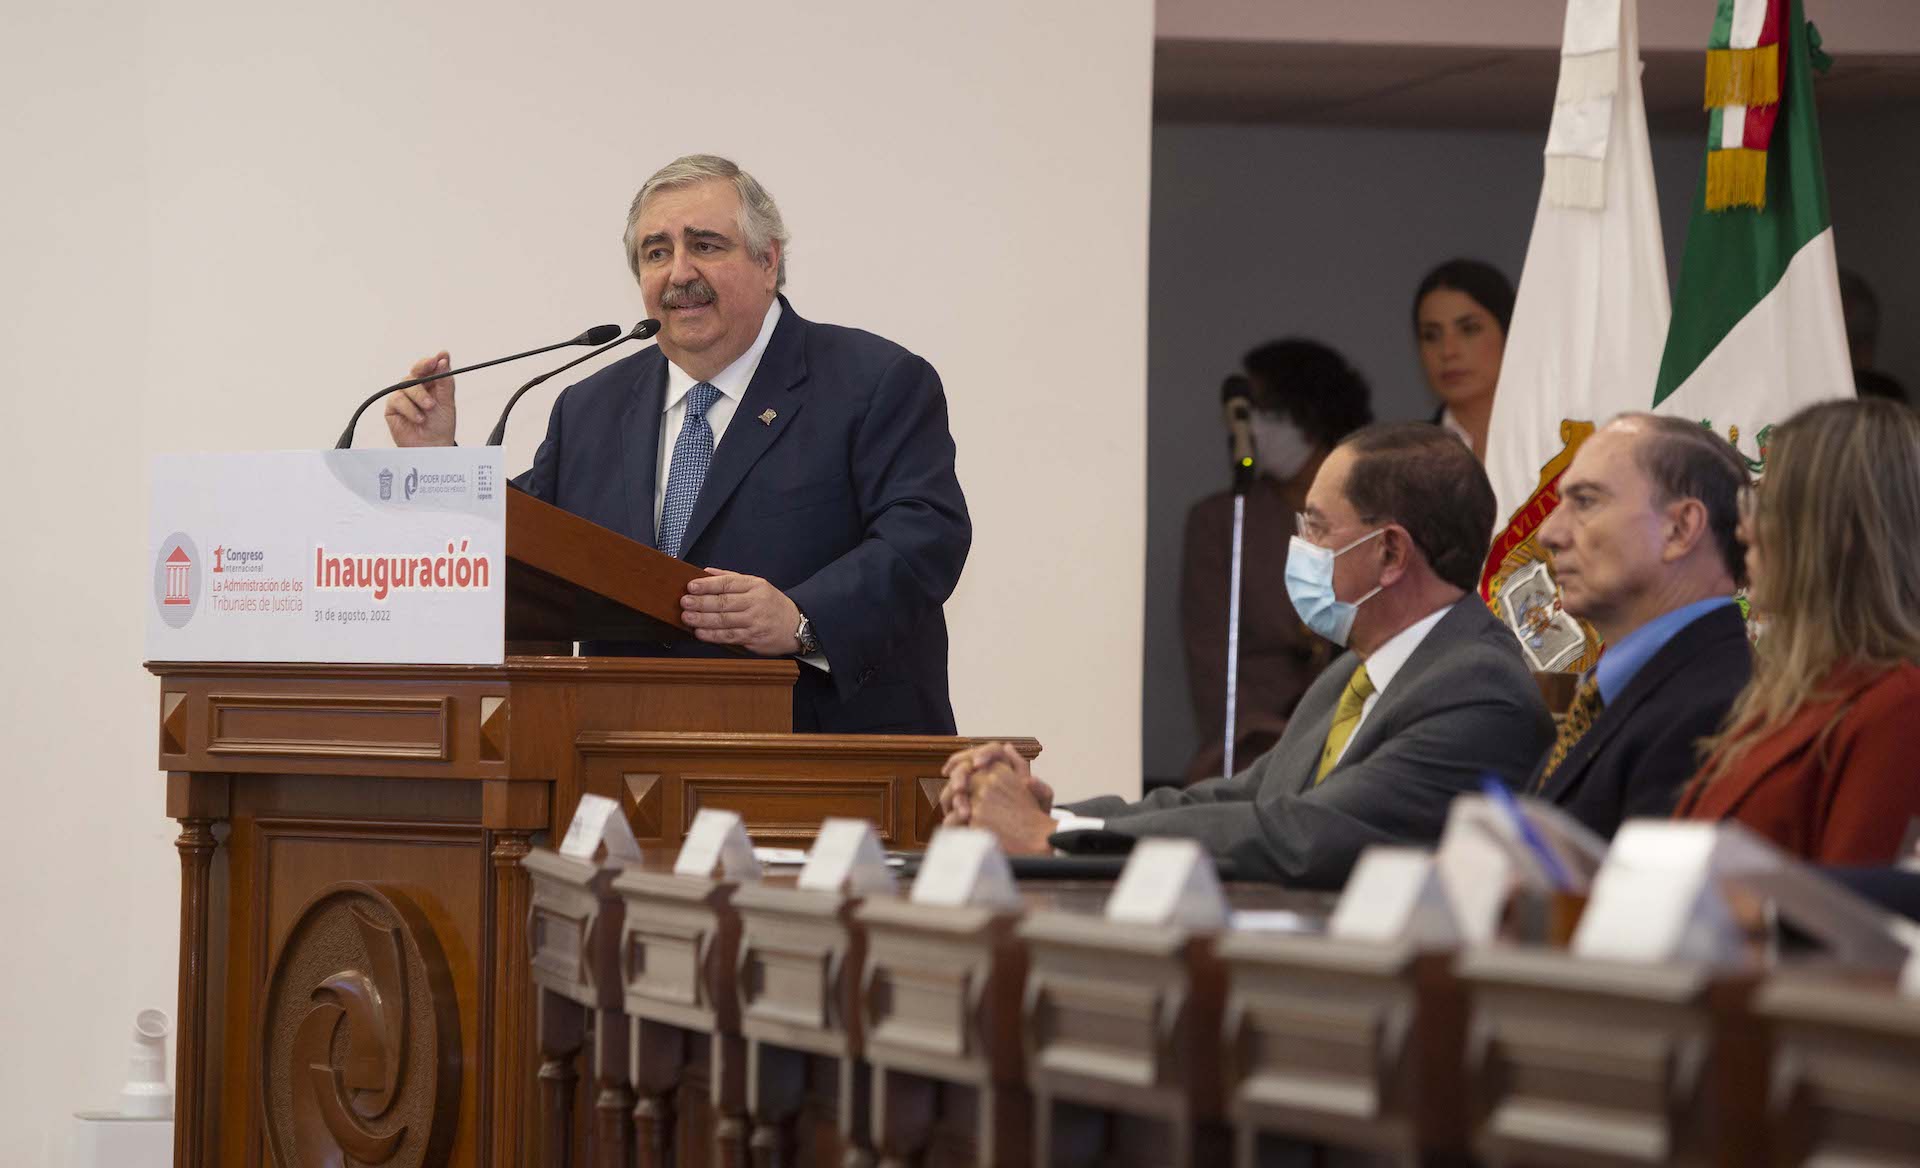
(1431, 697)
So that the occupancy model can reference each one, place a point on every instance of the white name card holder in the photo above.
(846, 857)
(1395, 895)
(598, 822)
(717, 846)
(1169, 882)
(1483, 859)
(1663, 895)
(965, 868)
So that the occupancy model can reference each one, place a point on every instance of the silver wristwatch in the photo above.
(809, 644)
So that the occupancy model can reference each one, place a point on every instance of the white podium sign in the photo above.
(337, 555)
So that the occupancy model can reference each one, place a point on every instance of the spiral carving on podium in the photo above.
(359, 1037)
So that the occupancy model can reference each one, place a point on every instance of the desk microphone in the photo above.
(597, 335)
(639, 332)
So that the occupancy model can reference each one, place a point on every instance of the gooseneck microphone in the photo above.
(597, 335)
(1236, 398)
(639, 332)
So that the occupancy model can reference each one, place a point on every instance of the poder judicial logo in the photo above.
(176, 580)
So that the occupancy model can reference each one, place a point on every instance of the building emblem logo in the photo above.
(386, 484)
(176, 580)
(413, 481)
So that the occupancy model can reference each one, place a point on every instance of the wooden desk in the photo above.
(1122, 1036)
(798, 983)
(1350, 1045)
(1846, 1070)
(1579, 1062)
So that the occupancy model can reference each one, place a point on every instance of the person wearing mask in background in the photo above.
(1306, 398)
(1817, 754)
(1460, 315)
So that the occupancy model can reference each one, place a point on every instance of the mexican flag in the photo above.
(1757, 331)
(1589, 319)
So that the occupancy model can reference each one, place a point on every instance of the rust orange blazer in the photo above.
(1847, 801)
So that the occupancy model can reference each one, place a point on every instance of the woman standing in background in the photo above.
(1460, 315)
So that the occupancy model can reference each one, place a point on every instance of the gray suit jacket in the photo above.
(1463, 707)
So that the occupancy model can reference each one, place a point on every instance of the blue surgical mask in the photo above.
(1310, 586)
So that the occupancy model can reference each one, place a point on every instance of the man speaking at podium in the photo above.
(808, 465)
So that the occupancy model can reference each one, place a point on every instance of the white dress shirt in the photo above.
(1385, 662)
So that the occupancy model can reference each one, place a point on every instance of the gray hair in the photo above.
(1685, 460)
(760, 223)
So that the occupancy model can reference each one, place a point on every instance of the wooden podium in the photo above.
(354, 978)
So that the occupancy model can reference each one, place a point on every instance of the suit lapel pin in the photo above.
(767, 417)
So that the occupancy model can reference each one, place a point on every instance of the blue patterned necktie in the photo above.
(692, 454)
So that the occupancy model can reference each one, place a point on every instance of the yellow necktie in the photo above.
(1346, 716)
(1579, 719)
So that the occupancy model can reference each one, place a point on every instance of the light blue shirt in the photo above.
(1620, 662)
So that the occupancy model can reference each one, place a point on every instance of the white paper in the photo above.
(1393, 895)
(1273, 920)
(965, 866)
(780, 857)
(336, 555)
(598, 820)
(1169, 882)
(846, 857)
(716, 844)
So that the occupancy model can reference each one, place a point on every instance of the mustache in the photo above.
(691, 294)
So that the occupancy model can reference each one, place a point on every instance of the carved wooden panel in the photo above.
(779, 810)
(1846, 1070)
(1648, 1064)
(573, 928)
(359, 1039)
(325, 726)
(800, 958)
(1357, 1046)
(441, 868)
(942, 990)
(679, 950)
(1122, 1016)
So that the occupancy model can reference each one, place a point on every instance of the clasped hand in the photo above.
(993, 787)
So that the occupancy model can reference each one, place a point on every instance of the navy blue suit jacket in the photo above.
(846, 501)
(1644, 745)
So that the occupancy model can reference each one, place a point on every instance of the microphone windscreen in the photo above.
(599, 334)
(1235, 386)
(645, 329)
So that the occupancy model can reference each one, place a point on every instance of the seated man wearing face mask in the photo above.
(1431, 697)
(1305, 399)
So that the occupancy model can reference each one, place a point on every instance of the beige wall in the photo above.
(225, 221)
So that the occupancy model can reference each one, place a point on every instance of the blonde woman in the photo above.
(1820, 751)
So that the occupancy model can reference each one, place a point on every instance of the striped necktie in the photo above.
(692, 454)
(1346, 717)
(1580, 715)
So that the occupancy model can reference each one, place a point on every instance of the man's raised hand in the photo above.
(422, 415)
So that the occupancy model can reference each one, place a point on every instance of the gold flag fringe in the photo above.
(1743, 76)
(1736, 178)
